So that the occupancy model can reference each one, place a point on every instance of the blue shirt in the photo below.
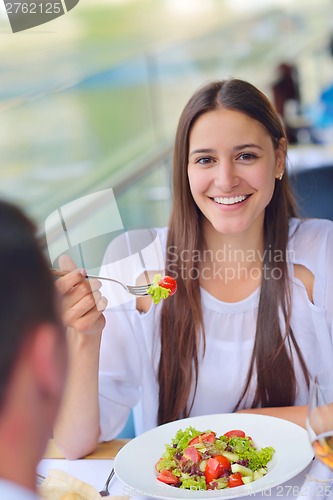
(12, 491)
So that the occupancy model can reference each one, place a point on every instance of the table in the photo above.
(311, 483)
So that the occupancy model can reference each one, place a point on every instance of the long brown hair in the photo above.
(182, 326)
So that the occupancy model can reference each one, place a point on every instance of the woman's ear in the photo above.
(281, 154)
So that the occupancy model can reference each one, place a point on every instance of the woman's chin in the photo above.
(229, 228)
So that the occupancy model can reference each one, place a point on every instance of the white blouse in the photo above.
(130, 342)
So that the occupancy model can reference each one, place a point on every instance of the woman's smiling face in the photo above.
(232, 169)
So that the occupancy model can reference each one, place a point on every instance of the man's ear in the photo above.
(49, 359)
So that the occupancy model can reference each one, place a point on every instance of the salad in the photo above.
(198, 460)
(162, 288)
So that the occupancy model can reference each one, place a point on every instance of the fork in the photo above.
(39, 479)
(105, 491)
(140, 290)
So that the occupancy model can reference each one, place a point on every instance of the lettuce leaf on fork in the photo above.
(156, 291)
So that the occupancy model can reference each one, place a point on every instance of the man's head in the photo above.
(32, 338)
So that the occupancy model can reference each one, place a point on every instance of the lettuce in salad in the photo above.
(199, 460)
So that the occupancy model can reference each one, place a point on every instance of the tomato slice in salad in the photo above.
(235, 433)
(235, 480)
(215, 467)
(205, 437)
(212, 470)
(224, 462)
(167, 477)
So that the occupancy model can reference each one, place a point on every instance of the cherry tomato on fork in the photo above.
(169, 283)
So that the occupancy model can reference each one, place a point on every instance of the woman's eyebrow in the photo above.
(202, 151)
(249, 145)
(213, 151)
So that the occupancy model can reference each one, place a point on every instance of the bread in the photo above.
(62, 486)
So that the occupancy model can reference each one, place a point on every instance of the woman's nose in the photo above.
(226, 177)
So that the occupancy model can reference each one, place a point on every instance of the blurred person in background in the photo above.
(33, 355)
(252, 317)
(286, 93)
(324, 109)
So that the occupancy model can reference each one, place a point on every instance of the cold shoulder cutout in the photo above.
(311, 246)
(304, 275)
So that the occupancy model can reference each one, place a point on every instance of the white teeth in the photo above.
(230, 201)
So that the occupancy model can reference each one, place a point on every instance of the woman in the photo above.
(252, 318)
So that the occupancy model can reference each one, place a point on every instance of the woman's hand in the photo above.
(82, 301)
(77, 428)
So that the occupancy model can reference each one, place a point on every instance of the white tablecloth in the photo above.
(312, 483)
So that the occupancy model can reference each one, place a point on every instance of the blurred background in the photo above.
(90, 101)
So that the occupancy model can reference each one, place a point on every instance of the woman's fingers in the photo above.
(82, 302)
(66, 263)
(67, 283)
(83, 306)
(93, 321)
(74, 288)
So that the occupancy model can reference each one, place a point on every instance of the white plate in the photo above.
(134, 464)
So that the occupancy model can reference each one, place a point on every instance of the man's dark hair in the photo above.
(27, 293)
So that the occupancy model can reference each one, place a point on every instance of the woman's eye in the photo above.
(204, 161)
(247, 156)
